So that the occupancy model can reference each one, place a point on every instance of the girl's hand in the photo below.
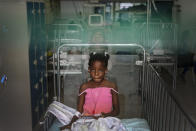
(74, 118)
(66, 127)
(96, 117)
(103, 114)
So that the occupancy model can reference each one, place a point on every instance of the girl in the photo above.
(97, 97)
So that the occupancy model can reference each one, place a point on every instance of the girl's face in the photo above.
(97, 71)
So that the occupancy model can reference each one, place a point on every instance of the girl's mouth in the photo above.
(97, 80)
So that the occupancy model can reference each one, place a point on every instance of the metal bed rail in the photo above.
(47, 122)
(166, 33)
(94, 45)
(69, 33)
(49, 118)
(160, 108)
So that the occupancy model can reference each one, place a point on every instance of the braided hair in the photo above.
(102, 57)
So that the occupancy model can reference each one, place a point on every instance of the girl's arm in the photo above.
(115, 103)
(80, 104)
(81, 99)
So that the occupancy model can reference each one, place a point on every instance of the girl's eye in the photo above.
(100, 70)
(93, 70)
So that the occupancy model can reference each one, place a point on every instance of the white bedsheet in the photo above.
(64, 115)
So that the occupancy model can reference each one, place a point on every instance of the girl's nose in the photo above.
(96, 72)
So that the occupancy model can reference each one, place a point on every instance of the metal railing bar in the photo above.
(173, 98)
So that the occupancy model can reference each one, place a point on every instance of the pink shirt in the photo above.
(97, 100)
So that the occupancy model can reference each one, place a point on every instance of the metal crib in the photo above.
(160, 108)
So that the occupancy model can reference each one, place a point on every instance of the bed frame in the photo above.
(160, 108)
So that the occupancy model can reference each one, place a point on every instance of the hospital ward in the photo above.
(97, 65)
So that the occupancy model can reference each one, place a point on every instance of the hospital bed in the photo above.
(159, 107)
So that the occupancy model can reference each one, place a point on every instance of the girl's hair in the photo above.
(102, 57)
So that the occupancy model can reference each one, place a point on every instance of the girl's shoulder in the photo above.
(83, 87)
(110, 84)
(86, 85)
(90, 84)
